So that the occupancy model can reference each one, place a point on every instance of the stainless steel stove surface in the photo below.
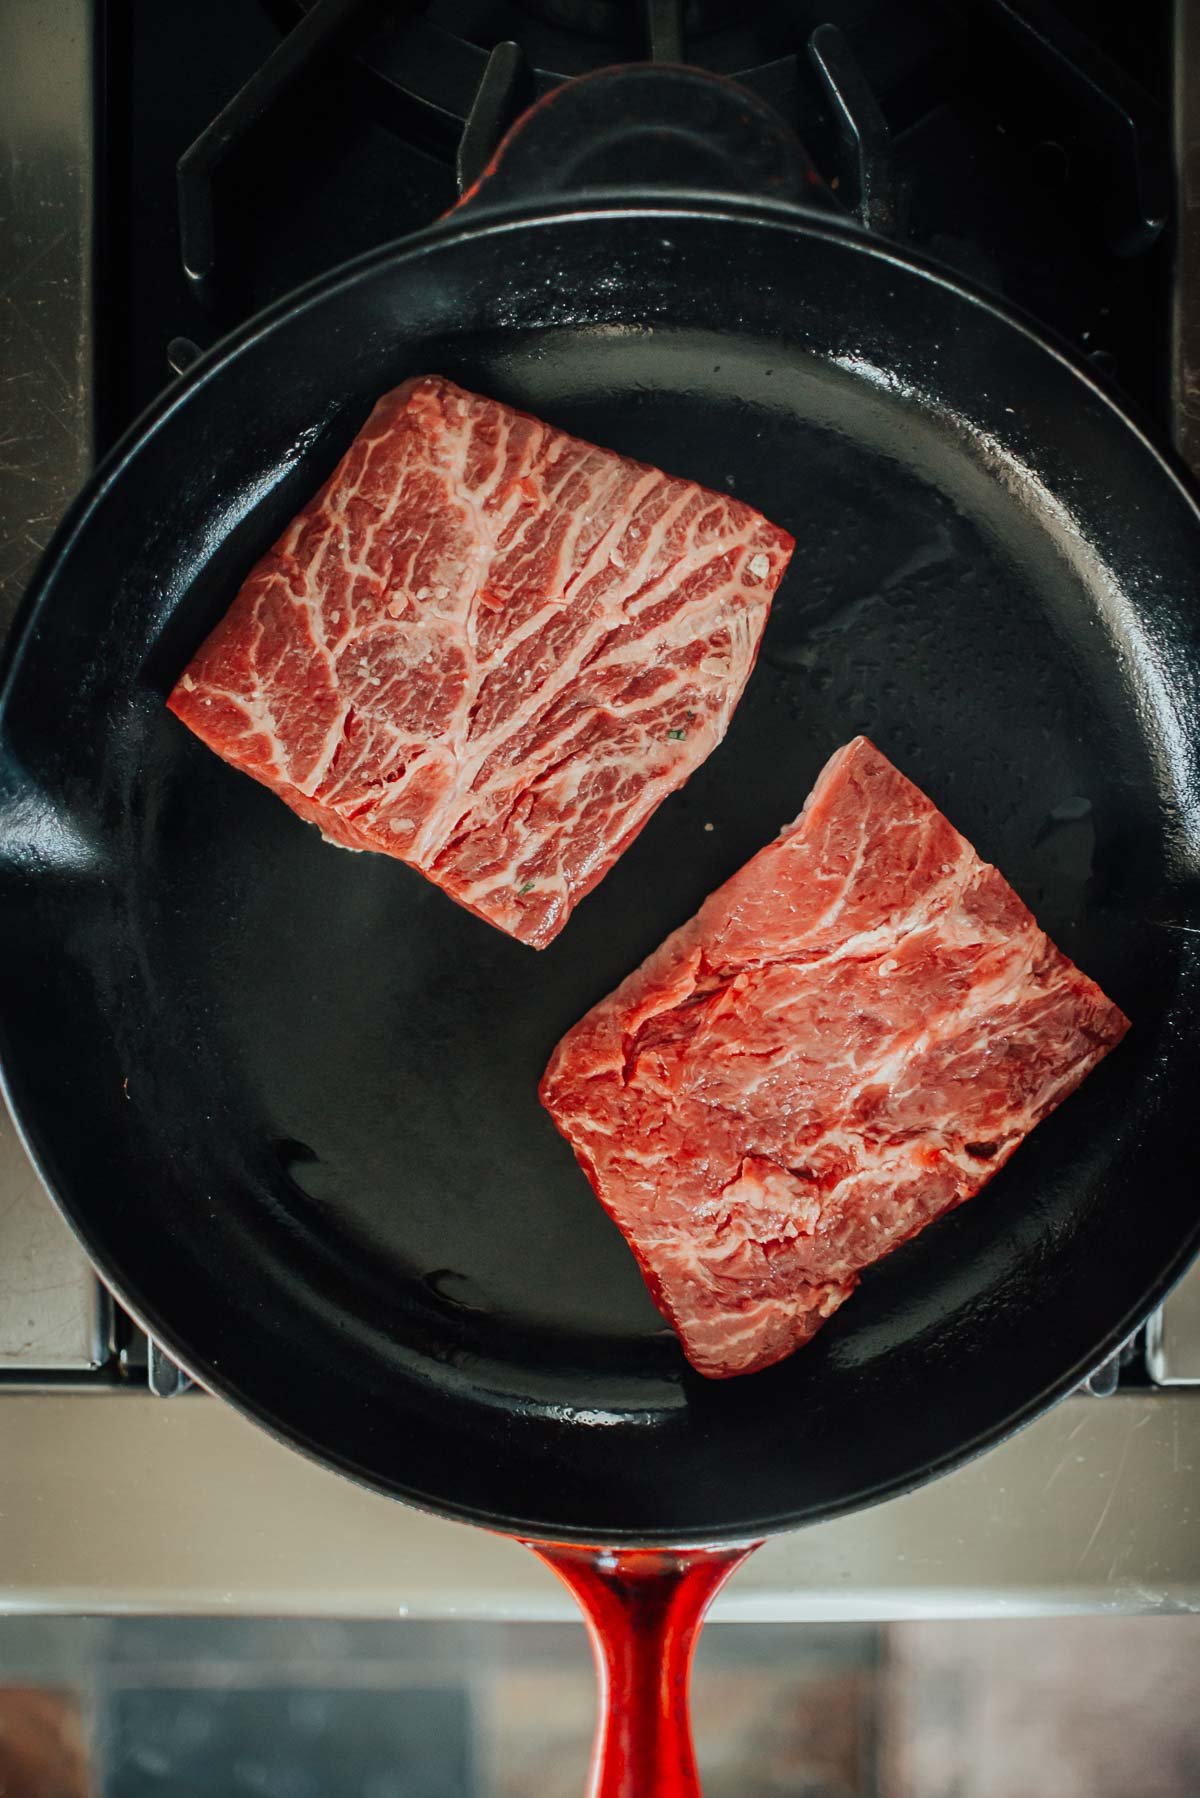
(52, 1317)
(1057, 168)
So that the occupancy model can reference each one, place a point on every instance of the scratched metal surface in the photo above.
(49, 1304)
(1094, 1507)
(1173, 1337)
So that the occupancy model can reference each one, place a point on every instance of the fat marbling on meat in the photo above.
(848, 1039)
(488, 649)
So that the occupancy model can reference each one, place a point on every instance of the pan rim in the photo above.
(136, 441)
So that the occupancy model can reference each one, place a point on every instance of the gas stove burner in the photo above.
(451, 76)
(610, 18)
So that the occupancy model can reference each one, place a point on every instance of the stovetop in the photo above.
(992, 135)
(1022, 167)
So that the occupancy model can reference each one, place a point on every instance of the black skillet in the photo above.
(286, 1095)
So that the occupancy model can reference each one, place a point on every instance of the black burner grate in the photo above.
(992, 135)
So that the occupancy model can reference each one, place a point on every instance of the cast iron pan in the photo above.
(286, 1095)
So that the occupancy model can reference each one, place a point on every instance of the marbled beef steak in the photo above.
(488, 649)
(848, 1039)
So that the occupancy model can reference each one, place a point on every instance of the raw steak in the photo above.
(488, 649)
(849, 1038)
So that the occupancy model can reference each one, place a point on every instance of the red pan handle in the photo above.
(644, 1609)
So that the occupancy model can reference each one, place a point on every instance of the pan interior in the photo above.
(389, 1046)
(307, 1080)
